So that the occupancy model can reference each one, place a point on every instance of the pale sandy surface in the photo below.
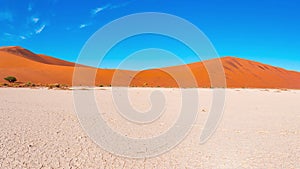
(259, 129)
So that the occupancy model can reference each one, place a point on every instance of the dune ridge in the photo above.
(240, 73)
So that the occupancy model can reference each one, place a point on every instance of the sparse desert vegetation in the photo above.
(10, 79)
(57, 86)
(12, 83)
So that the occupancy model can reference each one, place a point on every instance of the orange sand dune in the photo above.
(27, 66)
(32, 56)
(30, 67)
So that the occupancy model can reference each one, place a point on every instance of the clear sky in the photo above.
(267, 31)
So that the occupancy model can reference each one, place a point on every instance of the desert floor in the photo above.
(259, 129)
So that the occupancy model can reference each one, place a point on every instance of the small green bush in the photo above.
(10, 79)
(28, 84)
(52, 86)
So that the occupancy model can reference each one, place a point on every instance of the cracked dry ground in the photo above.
(259, 129)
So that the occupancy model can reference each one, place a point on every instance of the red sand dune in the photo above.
(240, 73)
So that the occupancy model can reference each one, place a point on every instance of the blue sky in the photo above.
(267, 31)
